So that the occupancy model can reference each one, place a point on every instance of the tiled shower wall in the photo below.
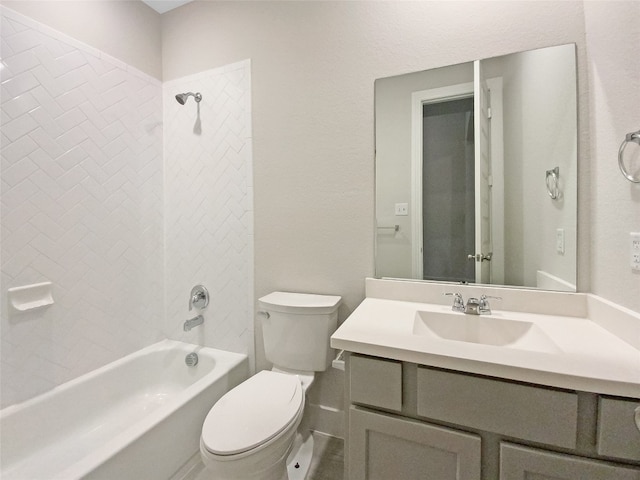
(82, 206)
(209, 206)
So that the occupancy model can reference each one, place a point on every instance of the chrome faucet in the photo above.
(484, 308)
(458, 302)
(474, 306)
(193, 322)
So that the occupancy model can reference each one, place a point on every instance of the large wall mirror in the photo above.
(476, 172)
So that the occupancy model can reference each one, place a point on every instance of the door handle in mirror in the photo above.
(480, 257)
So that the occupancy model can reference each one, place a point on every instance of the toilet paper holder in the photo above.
(338, 362)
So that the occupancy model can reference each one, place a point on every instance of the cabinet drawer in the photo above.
(521, 411)
(376, 382)
(618, 435)
(520, 463)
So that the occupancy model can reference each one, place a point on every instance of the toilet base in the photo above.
(299, 460)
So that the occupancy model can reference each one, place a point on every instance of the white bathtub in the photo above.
(139, 417)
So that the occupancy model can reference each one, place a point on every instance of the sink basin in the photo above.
(484, 330)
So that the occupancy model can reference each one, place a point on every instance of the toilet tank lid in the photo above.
(306, 303)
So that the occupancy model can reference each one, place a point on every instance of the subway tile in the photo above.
(19, 171)
(46, 142)
(20, 62)
(46, 122)
(20, 84)
(71, 138)
(22, 40)
(19, 127)
(71, 158)
(46, 102)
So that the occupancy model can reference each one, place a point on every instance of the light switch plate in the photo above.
(402, 209)
(634, 246)
(560, 241)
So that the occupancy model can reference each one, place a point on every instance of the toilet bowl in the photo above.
(249, 433)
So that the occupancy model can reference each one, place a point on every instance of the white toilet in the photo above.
(249, 433)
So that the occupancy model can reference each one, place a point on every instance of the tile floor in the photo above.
(328, 458)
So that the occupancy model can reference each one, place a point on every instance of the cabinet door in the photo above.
(384, 447)
(519, 463)
(618, 435)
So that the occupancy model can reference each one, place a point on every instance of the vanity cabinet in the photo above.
(618, 435)
(384, 447)
(409, 421)
(520, 463)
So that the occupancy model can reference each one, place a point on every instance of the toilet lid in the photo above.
(252, 413)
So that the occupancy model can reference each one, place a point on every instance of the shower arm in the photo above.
(181, 98)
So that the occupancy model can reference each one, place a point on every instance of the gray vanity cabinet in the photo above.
(618, 436)
(384, 447)
(409, 421)
(520, 463)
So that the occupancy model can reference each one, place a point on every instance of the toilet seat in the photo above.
(253, 413)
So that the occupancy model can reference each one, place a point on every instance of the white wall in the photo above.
(613, 36)
(539, 128)
(313, 70)
(128, 30)
(81, 206)
(208, 206)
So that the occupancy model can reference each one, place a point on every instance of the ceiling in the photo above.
(162, 6)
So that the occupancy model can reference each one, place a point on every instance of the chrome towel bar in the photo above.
(628, 138)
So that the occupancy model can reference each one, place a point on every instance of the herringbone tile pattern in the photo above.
(208, 206)
(82, 206)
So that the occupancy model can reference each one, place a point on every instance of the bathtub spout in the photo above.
(193, 322)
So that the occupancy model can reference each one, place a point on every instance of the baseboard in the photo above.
(326, 420)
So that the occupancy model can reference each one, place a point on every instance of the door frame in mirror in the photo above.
(418, 100)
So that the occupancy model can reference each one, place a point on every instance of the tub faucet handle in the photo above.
(199, 297)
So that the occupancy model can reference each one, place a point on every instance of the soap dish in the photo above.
(30, 297)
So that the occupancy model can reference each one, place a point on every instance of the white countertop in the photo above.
(589, 356)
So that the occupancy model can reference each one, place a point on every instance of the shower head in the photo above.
(182, 97)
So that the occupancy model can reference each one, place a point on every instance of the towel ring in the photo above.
(551, 179)
(629, 137)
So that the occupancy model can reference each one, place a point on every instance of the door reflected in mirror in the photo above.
(463, 155)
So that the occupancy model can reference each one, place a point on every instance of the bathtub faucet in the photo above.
(193, 322)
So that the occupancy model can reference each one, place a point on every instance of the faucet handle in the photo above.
(199, 297)
(458, 301)
(484, 303)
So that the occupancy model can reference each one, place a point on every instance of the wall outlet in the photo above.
(635, 250)
(560, 241)
(402, 209)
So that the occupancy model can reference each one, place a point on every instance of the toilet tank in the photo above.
(296, 328)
